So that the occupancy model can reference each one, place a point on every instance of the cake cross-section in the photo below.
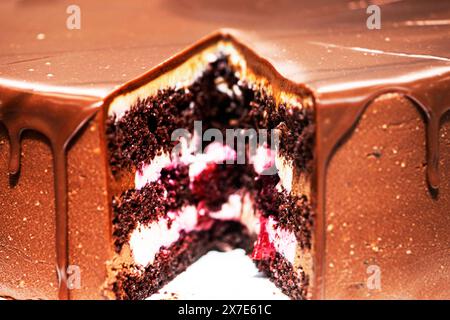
(237, 174)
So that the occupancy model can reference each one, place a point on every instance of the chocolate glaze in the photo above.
(343, 109)
(58, 116)
(340, 111)
(323, 45)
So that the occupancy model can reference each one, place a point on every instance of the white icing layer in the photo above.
(152, 171)
(146, 241)
(230, 210)
(263, 159)
(285, 171)
(215, 152)
(284, 241)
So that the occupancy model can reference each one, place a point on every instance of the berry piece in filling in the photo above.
(264, 249)
(217, 182)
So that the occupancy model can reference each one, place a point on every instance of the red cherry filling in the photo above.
(264, 249)
(212, 187)
(206, 187)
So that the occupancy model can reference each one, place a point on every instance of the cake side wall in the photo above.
(90, 245)
(27, 218)
(386, 236)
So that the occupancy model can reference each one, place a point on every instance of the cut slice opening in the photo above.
(243, 179)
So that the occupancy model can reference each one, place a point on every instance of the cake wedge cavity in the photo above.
(214, 192)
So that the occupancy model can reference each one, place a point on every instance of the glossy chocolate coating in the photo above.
(324, 46)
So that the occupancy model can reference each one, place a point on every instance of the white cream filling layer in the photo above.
(263, 159)
(285, 171)
(152, 171)
(240, 208)
(215, 152)
(283, 240)
(146, 241)
(230, 210)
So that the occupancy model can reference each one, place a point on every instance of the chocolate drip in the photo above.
(59, 117)
(338, 109)
(341, 111)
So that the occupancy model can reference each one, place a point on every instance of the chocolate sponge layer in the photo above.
(146, 127)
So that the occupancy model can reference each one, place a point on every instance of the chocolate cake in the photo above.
(170, 207)
(122, 180)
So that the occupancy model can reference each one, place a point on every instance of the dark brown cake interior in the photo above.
(146, 129)
(147, 126)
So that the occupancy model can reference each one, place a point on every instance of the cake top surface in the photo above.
(324, 44)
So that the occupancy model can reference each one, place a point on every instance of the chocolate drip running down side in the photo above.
(343, 109)
(338, 108)
(59, 117)
(340, 112)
